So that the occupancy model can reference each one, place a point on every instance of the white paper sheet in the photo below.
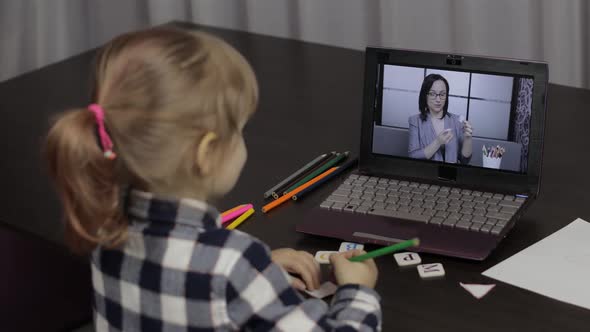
(557, 266)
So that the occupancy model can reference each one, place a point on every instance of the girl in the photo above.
(134, 171)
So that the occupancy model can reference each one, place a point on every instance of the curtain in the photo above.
(34, 33)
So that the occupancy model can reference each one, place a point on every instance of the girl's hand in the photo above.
(300, 263)
(346, 272)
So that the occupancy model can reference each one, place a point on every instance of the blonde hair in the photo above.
(162, 90)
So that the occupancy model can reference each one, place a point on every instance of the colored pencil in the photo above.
(340, 169)
(236, 213)
(386, 250)
(286, 184)
(281, 191)
(321, 164)
(290, 194)
(241, 219)
(293, 176)
(224, 213)
(332, 162)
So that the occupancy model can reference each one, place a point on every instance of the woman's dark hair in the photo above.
(426, 85)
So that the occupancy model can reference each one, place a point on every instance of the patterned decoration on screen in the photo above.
(523, 119)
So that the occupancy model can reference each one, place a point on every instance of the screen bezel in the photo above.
(461, 175)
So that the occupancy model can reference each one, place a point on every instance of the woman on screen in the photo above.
(436, 134)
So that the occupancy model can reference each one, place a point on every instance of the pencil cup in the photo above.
(490, 162)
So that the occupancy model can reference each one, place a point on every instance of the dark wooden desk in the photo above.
(43, 287)
(310, 103)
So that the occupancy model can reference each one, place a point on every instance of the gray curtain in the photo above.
(34, 33)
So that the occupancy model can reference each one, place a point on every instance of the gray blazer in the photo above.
(422, 134)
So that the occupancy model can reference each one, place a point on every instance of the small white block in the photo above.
(323, 257)
(346, 246)
(431, 270)
(407, 258)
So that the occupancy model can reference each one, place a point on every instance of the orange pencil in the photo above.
(232, 210)
(290, 194)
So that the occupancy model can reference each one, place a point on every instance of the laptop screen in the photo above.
(459, 117)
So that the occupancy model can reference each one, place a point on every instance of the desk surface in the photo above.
(317, 90)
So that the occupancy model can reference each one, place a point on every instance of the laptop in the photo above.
(450, 153)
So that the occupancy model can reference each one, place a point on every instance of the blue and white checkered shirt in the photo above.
(181, 271)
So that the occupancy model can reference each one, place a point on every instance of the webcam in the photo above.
(454, 60)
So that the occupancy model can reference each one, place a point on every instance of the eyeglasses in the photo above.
(433, 95)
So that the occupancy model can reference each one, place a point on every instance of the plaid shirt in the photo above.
(181, 271)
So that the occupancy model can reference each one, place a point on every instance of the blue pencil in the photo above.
(340, 169)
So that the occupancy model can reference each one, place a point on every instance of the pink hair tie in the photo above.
(105, 140)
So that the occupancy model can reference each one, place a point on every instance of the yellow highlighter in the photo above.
(240, 219)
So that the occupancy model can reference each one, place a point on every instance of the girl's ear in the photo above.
(204, 154)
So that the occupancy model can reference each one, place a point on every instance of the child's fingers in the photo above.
(299, 263)
(297, 283)
(371, 263)
(305, 265)
(313, 267)
(339, 256)
(346, 255)
(311, 259)
(358, 252)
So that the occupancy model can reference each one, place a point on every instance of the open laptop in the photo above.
(460, 196)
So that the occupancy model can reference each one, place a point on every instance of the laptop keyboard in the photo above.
(465, 209)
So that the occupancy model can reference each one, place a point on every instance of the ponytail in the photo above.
(86, 183)
(162, 89)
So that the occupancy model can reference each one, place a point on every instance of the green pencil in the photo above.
(386, 250)
(319, 171)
